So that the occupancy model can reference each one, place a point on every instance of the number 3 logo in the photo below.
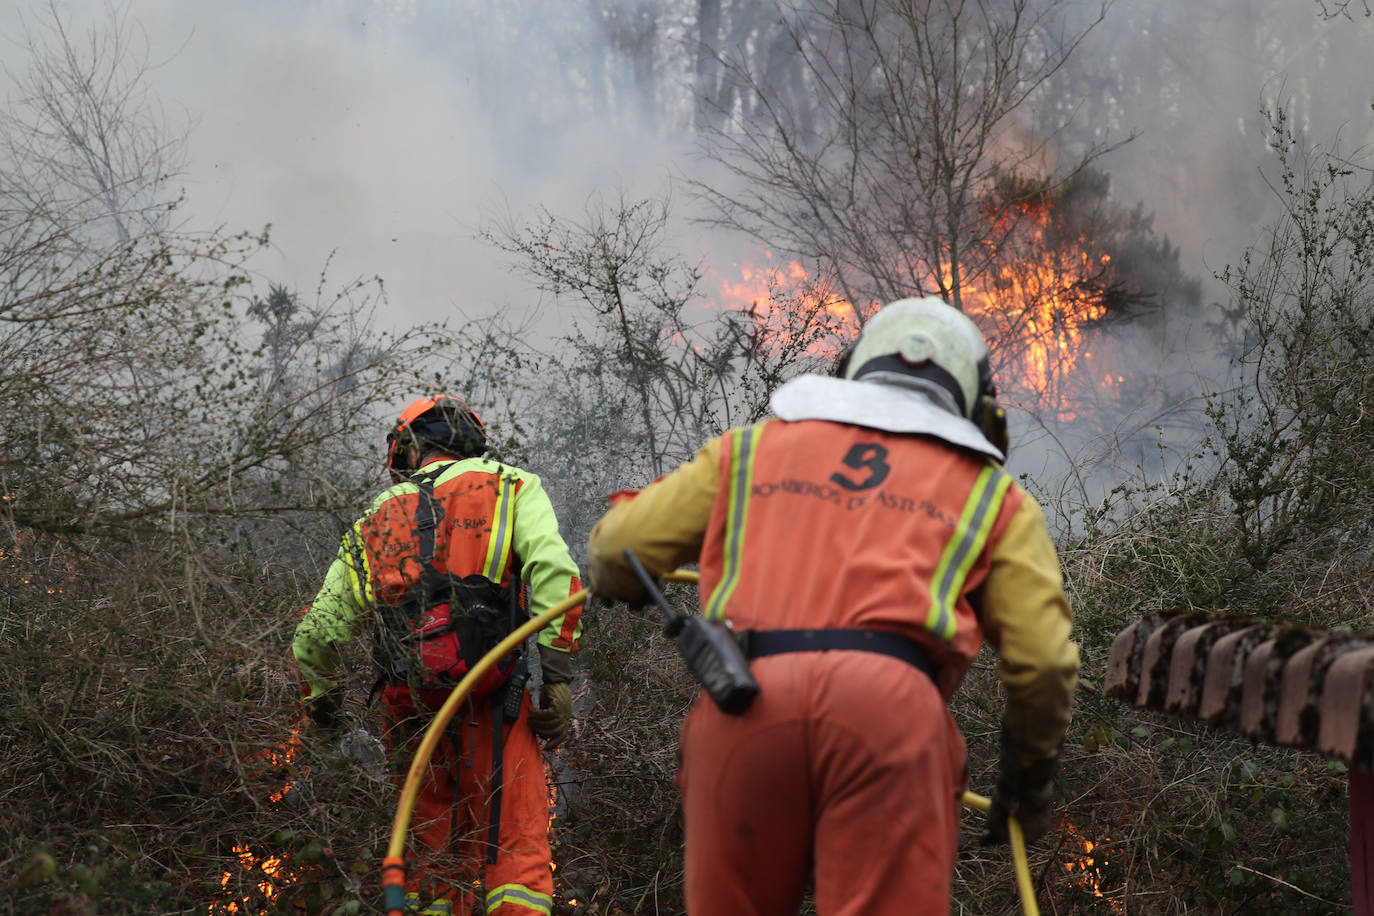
(863, 455)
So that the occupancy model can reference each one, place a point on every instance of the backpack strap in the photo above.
(517, 586)
(478, 604)
(428, 514)
(498, 756)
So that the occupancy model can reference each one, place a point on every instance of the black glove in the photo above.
(1024, 791)
(642, 600)
(326, 714)
(637, 602)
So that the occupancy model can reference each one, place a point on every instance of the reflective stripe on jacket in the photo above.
(490, 514)
(820, 524)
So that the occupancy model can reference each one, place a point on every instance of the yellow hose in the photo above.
(393, 866)
(1018, 853)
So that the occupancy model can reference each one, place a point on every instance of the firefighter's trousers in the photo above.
(454, 847)
(848, 766)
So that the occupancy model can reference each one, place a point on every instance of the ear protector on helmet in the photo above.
(988, 415)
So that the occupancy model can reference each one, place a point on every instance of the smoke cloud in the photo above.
(382, 134)
(383, 131)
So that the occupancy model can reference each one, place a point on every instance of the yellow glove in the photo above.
(554, 715)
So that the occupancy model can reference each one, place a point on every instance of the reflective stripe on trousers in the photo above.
(520, 896)
(440, 907)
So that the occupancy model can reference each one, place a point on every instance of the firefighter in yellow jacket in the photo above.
(867, 540)
(435, 571)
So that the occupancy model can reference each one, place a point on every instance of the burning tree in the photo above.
(880, 163)
(1073, 272)
(902, 149)
(1077, 290)
(1053, 286)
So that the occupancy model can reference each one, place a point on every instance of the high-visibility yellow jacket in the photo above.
(814, 524)
(492, 513)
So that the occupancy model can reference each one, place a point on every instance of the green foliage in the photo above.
(1268, 518)
(1294, 434)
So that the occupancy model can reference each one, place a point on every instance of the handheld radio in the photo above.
(712, 654)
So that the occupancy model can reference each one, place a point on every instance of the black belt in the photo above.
(777, 642)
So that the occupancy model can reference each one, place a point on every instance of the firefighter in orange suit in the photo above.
(867, 540)
(459, 530)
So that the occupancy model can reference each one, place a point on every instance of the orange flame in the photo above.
(53, 579)
(276, 874)
(280, 757)
(1037, 310)
(776, 294)
(1087, 870)
(276, 870)
(551, 787)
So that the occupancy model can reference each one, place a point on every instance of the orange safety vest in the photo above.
(473, 534)
(819, 524)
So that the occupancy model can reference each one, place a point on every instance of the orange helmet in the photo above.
(440, 422)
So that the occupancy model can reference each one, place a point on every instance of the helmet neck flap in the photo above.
(930, 366)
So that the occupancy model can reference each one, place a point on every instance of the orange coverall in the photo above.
(490, 515)
(848, 766)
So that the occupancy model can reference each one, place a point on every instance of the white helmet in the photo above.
(920, 366)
